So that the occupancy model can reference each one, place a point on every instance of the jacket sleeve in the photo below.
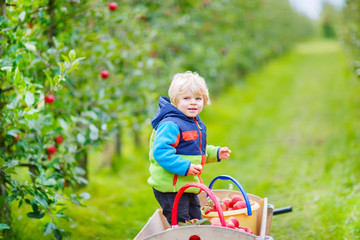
(212, 154)
(163, 151)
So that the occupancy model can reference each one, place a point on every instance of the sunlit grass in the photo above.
(293, 129)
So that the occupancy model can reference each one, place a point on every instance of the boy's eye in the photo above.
(198, 98)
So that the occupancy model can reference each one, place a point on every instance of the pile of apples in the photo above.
(232, 222)
(235, 202)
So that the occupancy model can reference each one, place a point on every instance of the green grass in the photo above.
(293, 129)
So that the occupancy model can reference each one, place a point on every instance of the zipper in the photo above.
(202, 157)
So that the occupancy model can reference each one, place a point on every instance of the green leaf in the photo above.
(13, 132)
(63, 124)
(34, 206)
(11, 164)
(12, 197)
(37, 215)
(61, 183)
(30, 47)
(57, 234)
(66, 59)
(94, 132)
(72, 55)
(29, 99)
(62, 67)
(80, 138)
(85, 196)
(22, 16)
(49, 228)
(73, 66)
(42, 201)
(49, 78)
(56, 79)
(17, 76)
(49, 182)
(203, 221)
(61, 215)
(13, 103)
(4, 226)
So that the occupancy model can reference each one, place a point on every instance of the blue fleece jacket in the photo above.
(176, 142)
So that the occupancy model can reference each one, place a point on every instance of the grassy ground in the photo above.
(293, 129)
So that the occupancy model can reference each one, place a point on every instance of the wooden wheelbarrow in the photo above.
(157, 227)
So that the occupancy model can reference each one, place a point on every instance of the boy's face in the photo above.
(190, 104)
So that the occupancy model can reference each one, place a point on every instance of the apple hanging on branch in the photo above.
(113, 6)
(104, 74)
(59, 139)
(49, 98)
(51, 150)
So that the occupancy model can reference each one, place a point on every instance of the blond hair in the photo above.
(188, 81)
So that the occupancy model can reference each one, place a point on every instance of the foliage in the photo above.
(141, 44)
(30, 127)
(293, 139)
(351, 31)
(329, 20)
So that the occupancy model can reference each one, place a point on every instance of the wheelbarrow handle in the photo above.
(242, 190)
(282, 210)
(201, 186)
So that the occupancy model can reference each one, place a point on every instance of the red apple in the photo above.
(235, 221)
(223, 50)
(239, 205)
(17, 138)
(245, 229)
(235, 199)
(153, 53)
(194, 237)
(51, 150)
(104, 74)
(227, 202)
(113, 6)
(30, 25)
(59, 139)
(206, 210)
(213, 209)
(215, 221)
(230, 224)
(49, 98)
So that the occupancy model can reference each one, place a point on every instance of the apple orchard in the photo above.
(77, 74)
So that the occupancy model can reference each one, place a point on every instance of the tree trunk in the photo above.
(3, 13)
(137, 138)
(118, 142)
(52, 25)
(83, 163)
(5, 214)
(4, 205)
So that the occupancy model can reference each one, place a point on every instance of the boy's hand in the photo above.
(194, 169)
(224, 153)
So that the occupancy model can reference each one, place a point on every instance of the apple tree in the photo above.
(42, 130)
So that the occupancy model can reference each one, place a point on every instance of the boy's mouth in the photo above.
(192, 109)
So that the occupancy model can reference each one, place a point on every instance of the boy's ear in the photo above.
(173, 103)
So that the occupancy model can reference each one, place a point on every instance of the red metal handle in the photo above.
(202, 187)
